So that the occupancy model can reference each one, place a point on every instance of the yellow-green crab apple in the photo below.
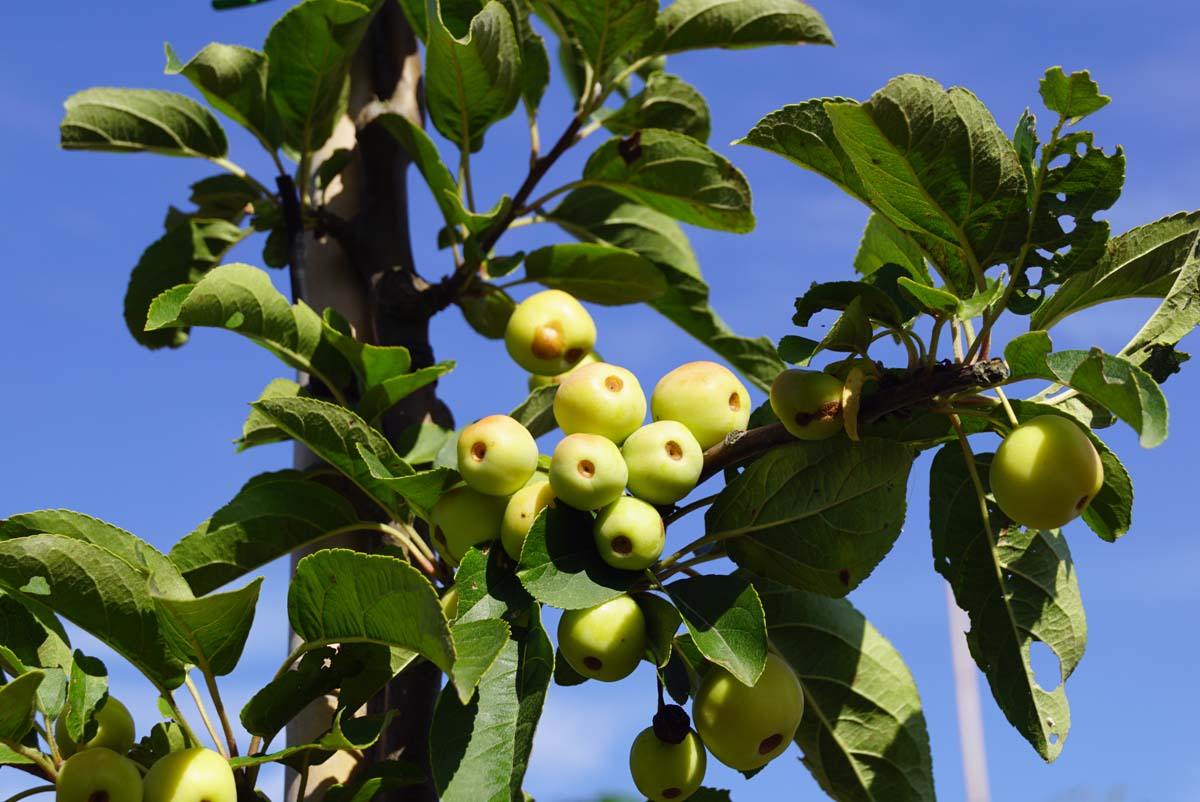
(549, 333)
(587, 471)
(664, 461)
(808, 403)
(191, 775)
(463, 518)
(667, 772)
(705, 397)
(114, 730)
(747, 727)
(519, 515)
(536, 381)
(600, 399)
(98, 775)
(496, 455)
(1046, 472)
(629, 534)
(604, 642)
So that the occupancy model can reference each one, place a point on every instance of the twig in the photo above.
(41, 789)
(692, 507)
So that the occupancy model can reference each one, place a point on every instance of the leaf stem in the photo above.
(208, 725)
(464, 175)
(41, 789)
(686, 565)
(215, 693)
(241, 173)
(533, 206)
(973, 470)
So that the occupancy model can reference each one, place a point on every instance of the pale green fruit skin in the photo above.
(667, 772)
(115, 730)
(808, 403)
(520, 513)
(664, 461)
(191, 775)
(496, 455)
(98, 769)
(629, 534)
(536, 381)
(587, 471)
(463, 518)
(449, 603)
(549, 333)
(600, 399)
(745, 727)
(705, 397)
(605, 642)
(1046, 472)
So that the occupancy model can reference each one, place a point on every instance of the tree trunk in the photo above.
(368, 275)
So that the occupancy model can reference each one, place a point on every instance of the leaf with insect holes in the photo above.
(1018, 586)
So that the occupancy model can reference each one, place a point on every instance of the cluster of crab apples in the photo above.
(97, 769)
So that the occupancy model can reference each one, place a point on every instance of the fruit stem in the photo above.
(208, 725)
(188, 732)
(679, 512)
(1008, 410)
(41, 789)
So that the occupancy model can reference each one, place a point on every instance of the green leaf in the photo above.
(560, 568)
(1157, 260)
(138, 554)
(536, 413)
(535, 62)
(1111, 381)
(818, 516)
(309, 50)
(334, 434)
(662, 622)
(18, 704)
(223, 196)
(184, 253)
(797, 350)
(725, 618)
(233, 80)
(935, 163)
(607, 30)
(209, 632)
(373, 780)
(132, 120)
(477, 644)
(474, 81)
(667, 102)
(480, 749)
(487, 310)
(876, 304)
(421, 490)
(884, 244)
(31, 637)
(695, 24)
(932, 300)
(257, 430)
(425, 156)
(1074, 96)
(1017, 589)
(339, 595)
(346, 734)
(596, 214)
(242, 298)
(488, 588)
(596, 273)
(87, 690)
(96, 590)
(676, 175)
(863, 734)
(363, 667)
(564, 675)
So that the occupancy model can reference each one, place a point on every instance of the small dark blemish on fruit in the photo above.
(593, 663)
(574, 355)
(622, 545)
(770, 744)
(674, 450)
(1079, 505)
(479, 451)
(735, 402)
(671, 793)
(630, 148)
(586, 469)
(844, 576)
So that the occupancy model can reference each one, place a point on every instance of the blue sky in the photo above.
(97, 424)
